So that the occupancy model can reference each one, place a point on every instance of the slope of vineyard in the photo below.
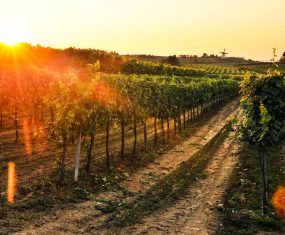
(88, 216)
(103, 113)
(213, 69)
(262, 68)
(142, 117)
(124, 99)
(192, 70)
(105, 139)
(140, 67)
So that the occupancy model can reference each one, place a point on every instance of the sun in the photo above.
(12, 35)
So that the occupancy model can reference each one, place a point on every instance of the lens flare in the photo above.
(27, 137)
(278, 201)
(11, 185)
(105, 95)
(41, 141)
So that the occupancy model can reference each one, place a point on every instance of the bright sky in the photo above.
(248, 28)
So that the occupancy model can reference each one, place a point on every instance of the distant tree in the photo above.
(213, 56)
(172, 60)
(205, 55)
(282, 59)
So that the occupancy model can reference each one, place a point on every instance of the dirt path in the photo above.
(196, 212)
(76, 218)
(145, 178)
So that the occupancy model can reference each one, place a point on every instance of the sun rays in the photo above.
(12, 35)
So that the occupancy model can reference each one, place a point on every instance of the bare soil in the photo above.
(196, 213)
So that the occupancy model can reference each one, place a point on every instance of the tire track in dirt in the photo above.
(196, 213)
(74, 219)
(139, 182)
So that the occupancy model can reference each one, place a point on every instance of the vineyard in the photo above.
(190, 70)
(211, 70)
(263, 67)
(142, 117)
(61, 127)
(81, 108)
(124, 145)
(219, 69)
(139, 67)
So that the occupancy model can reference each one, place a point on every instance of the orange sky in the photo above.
(249, 28)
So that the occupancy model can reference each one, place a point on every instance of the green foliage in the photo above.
(92, 68)
(110, 181)
(158, 96)
(263, 106)
(219, 70)
(242, 214)
(172, 60)
(46, 201)
(262, 68)
(139, 67)
(70, 99)
(80, 194)
(83, 105)
(109, 206)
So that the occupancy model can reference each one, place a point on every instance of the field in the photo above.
(149, 149)
(260, 68)
(142, 117)
(263, 68)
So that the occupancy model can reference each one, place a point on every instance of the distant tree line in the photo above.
(172, 60)
(205, 55)
(58, 59)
